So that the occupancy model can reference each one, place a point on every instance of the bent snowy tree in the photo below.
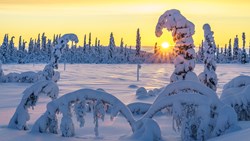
(208, 76)
(48, 121)
(197, 111)
(236, 94)
(29, 99)
(182, 31)
(48, 71)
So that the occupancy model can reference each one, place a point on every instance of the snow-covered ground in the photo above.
(114, 79)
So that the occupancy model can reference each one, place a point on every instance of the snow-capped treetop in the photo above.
(173, 21)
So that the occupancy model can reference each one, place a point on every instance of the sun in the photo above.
(165, 45)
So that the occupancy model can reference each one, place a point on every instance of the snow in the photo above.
(114, 81)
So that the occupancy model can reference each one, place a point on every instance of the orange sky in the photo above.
(122, 17)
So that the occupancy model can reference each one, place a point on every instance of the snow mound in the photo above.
(238, 81)
(141, 93)
(133, 86)
(147, 130)
(236, 94)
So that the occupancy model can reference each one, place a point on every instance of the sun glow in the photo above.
(165, 45)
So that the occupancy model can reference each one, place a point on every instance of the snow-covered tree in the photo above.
(44, 41)
(121, 46)
(236, 48)
(89, 41)
(30, 98)
(31, 46)
(11, 46)
(111, 46)
(208, 76)
(48, 121)
(243, 53)
(155, 48)
(244, 39)
(182, 31)
(85, 43)
(5, 48)
(20, 45)
(138, 43)
(197, 111)
(229, 53)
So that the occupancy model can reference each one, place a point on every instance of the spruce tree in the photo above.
(236, 48)
(138, 43)
(182, 35)
(155, 48)
(243, 54)
(31, 46)
(20, 47)
(85, 43)
(229, 53)
(208, 76)
(89, 41)
(44, 40)
(121, 46)
(111, 46)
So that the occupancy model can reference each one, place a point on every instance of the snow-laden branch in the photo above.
(208, 76)
(29, 99)
(236, 94)
(182, 32)
(48, 121)
(196, 111)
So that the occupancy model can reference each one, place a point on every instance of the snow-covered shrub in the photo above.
(197, 111)
(182, 32)
(77, 99)
(139, 108)
(11, 77)
(29, 99)
(208, 76)
(29, 77)
(148, 130)
(141, 93)
(236, 94)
